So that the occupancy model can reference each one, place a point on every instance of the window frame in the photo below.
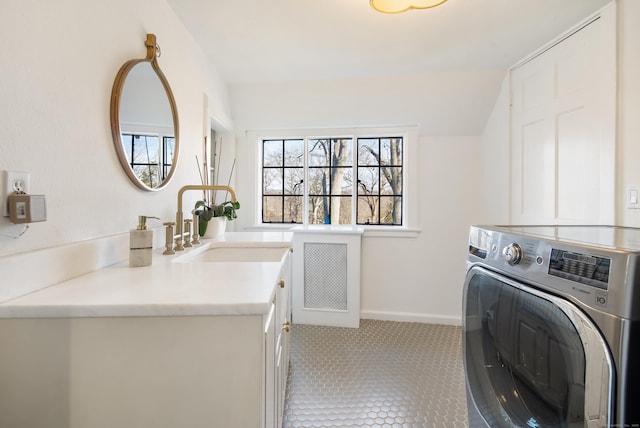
(379, 195)
(284, 167)
(130, 141)
(409, 134)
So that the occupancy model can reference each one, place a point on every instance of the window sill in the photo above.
(369, 231)
(382, 232)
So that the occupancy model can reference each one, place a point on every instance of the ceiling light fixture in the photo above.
(397, 6)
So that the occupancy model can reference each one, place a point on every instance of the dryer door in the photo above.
(532, 359)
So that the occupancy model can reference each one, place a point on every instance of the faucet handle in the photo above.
(169, 238)
(196, 227)
(187, 232)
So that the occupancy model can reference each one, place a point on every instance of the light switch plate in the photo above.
(633, 197)
(14, 181)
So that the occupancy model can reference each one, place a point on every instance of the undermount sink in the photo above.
(235, 254)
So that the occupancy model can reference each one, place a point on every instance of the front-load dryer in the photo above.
(551, 326)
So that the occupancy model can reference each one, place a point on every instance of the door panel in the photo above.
(563, 130)
(538, 157)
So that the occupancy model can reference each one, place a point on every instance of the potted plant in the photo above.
(225, 210)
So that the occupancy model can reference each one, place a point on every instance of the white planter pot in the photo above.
(216, 227)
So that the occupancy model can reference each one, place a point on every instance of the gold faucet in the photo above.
(179, 215)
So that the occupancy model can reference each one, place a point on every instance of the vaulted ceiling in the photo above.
(280, 40)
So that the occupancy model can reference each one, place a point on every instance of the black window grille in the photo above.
(149, 161)
(380, 181)
(329, 192)
(282, 181)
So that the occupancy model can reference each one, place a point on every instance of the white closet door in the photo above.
(563, 130)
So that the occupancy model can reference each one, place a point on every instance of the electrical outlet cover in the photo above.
(14, 181)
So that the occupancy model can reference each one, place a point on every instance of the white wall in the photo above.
(58, 64)
(422, 279)
(402, 278)
(628, 107)
(497, 160)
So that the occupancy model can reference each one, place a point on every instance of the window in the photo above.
(282, 181)
(333, 180)
(168, 150)
(380, 181)
(150, 162)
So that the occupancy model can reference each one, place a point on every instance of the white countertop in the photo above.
(165, 288)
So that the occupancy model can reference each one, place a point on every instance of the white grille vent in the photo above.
(325, 276)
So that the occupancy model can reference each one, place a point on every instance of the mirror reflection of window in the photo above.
(168, 151)
(150, 162)
(147, 126)
(144, 121)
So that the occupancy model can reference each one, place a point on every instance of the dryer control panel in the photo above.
(582, 268)
(566, 261)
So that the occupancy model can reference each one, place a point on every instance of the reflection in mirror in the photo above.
(146, 126)
(144, 121)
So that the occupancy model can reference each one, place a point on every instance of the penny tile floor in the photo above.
(385, 375)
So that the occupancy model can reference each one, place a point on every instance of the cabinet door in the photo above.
(270, 372)
(283, 343)
(284, 292)
(563, 130)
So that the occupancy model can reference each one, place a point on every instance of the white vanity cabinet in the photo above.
(283, 338)
(277, 345)
(147, 371)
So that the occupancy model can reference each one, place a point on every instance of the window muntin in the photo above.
(168, 151)
(318, 176)
(380, 181)
(330, 167)
(150, 161)
(143, 155)
(282, 180)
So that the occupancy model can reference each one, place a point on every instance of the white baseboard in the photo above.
(411, 317)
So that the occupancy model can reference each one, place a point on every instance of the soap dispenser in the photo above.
(141, 244)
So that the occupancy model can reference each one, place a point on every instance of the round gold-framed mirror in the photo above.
(144, 121)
